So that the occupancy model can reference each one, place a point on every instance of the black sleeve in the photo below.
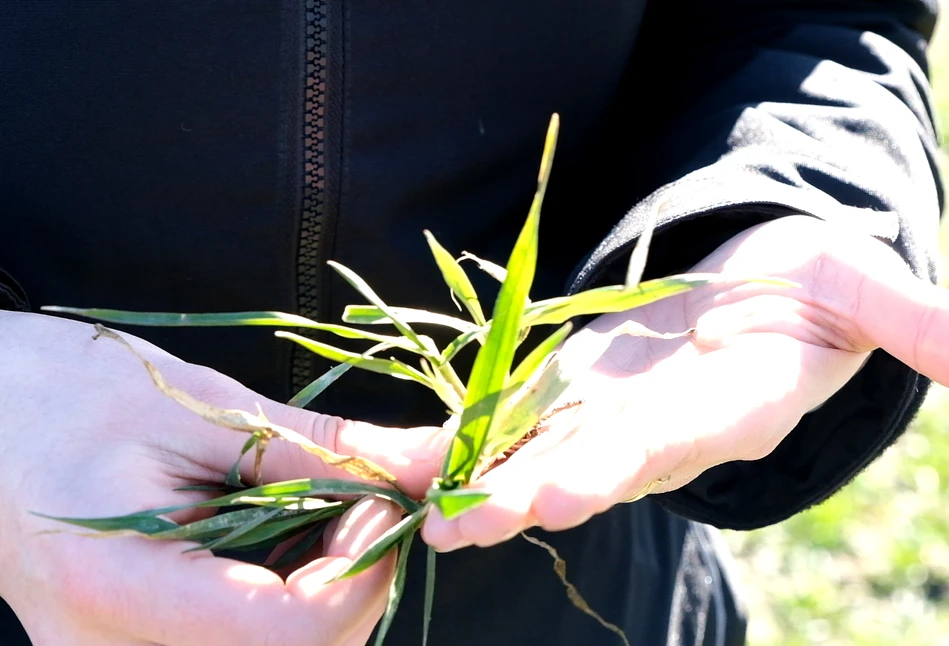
(765, 108)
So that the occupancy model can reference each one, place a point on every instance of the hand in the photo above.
(657, 413)
(86, 433)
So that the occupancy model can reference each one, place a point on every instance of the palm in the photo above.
(760, 358)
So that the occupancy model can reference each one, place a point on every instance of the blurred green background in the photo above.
(871, 565)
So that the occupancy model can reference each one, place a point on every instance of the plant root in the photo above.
(560, 568)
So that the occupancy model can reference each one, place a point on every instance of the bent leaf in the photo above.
(456, 279)
(367, 292)
(497, 272)
(239, 420)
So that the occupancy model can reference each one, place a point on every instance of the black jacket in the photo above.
(204, 155)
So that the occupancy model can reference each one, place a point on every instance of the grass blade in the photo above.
(303, 488)
(384, 544)
(454, 502)
(497, 272)
(367, 292)
(172, 319)
(456, 279)
(533, 361)
(429, 594)
(145, 523)
(395, 589)
(391, 367)
(613, 298)
(637, 260)
(234, 475)
(461, 341)
(318, 385)
(495, 357)
(328, 378)
(372, 315)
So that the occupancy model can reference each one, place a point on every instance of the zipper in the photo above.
(314, 180)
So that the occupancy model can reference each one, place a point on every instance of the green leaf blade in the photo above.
(495, 357)
(174, 319)
(370, 295)
(372, 315)
(455, 502)
(391, 367)
(385, 543)
(456, 279)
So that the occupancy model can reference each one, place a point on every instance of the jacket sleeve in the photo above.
(775, 107)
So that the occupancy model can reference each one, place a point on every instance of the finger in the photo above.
(154, 592)
(910, 320)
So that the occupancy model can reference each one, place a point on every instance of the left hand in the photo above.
(761, 357)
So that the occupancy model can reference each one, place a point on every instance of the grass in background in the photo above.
(871, 565)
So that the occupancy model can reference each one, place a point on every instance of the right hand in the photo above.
(85, 433)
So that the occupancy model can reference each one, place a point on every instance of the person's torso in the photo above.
(209, 156)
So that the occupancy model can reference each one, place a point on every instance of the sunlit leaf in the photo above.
(613, 298)
(619, 298)
(367, 292)
(384, 544)
(497, 272)
(495, 357)
(637, 260)
(526, 409)
(454, 502)
(461, 341)
(456, 279)
(533, 361)
(304, 488)
(372, 315)
(389, 367)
